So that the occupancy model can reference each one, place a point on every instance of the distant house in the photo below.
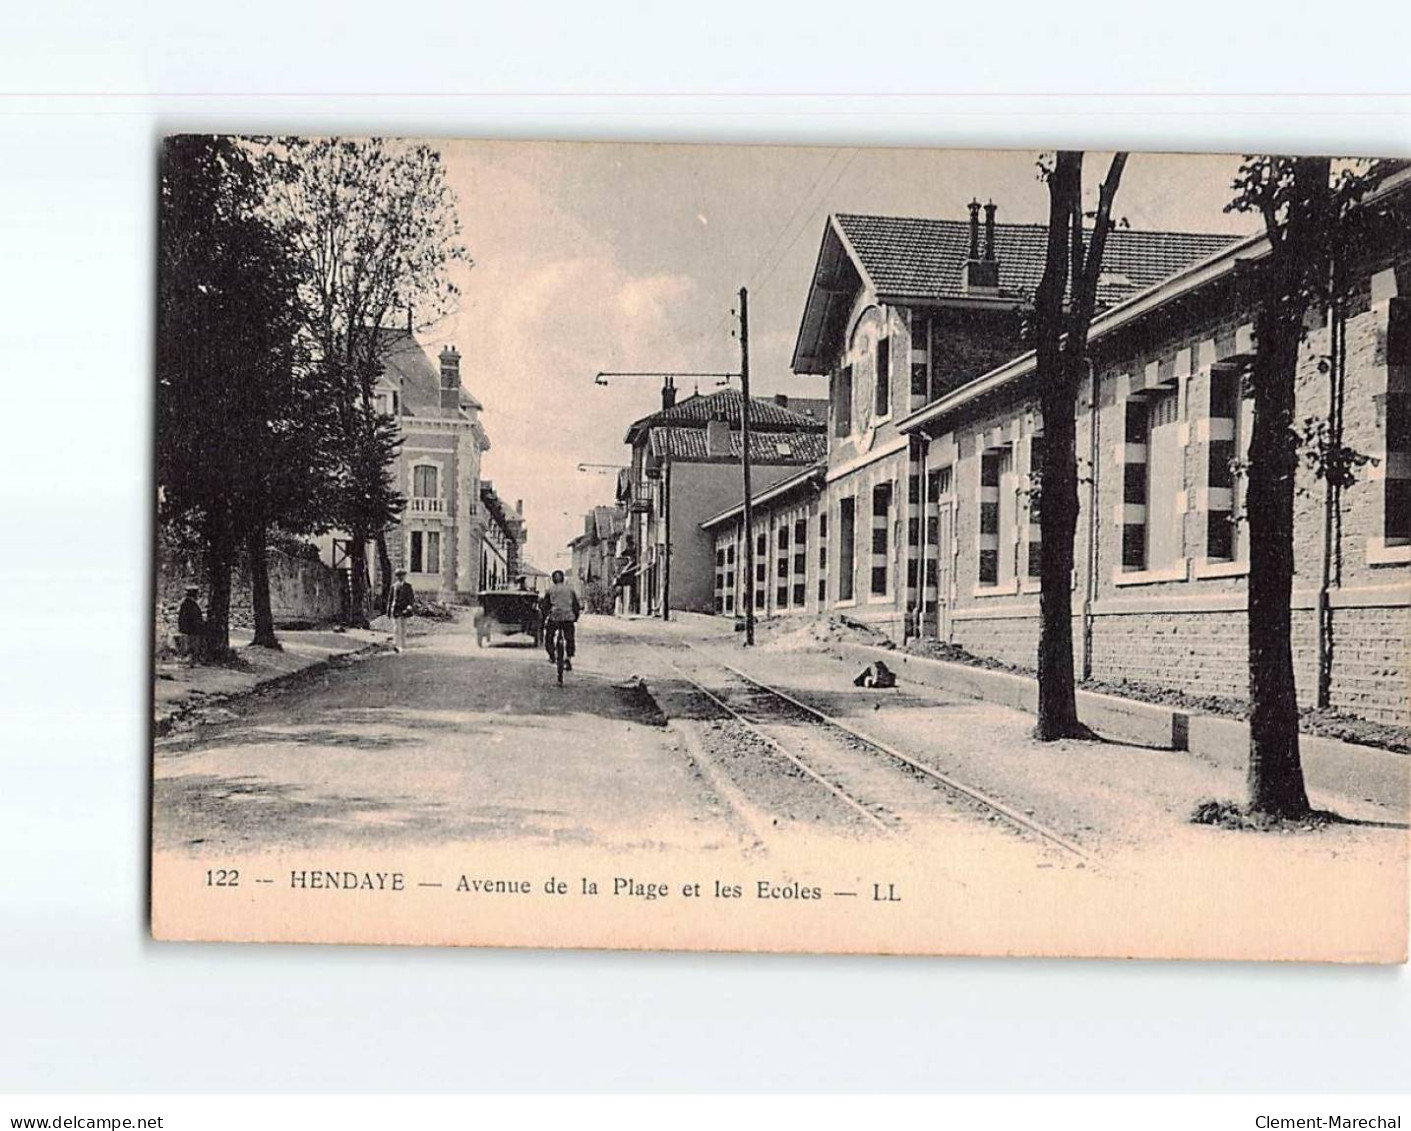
(685, 468)
(501, 541)
(597, 550)
(448, 538)
(534, 578)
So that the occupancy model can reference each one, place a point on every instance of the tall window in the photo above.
(994, 467)
(881, 533)
(847, 546)
(781, 566)
(424, 481)
(1036, 468)
(1134, 487)
(938, 483)
(883, 403)
(433, 551)
(920, 358)
(842, 402)
(800, 560)
(1230, 420)
(1165, 478)
(417, 556)
(1153, 532)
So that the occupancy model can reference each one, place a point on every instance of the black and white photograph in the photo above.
(784, 548)
(735, 565)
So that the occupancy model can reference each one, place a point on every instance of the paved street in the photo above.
(456, 743)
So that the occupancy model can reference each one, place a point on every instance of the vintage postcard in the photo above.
(782, 549)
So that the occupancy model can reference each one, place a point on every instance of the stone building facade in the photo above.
(685, 469)
(453, 536)
(927, 521)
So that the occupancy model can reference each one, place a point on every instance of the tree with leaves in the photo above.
(228, 319)
(376, 230)
(1072, 265)
(1307, 210)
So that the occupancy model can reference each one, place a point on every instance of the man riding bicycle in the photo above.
(559, 609)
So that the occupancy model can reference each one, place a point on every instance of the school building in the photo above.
(923, 518)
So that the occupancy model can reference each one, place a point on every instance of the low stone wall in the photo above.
(1205, 653)
(300, 589)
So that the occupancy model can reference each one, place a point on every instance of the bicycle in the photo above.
(560, 643)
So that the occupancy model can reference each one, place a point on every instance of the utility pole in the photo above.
(745, 463)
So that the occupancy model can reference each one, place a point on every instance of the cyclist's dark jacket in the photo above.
(560, 604)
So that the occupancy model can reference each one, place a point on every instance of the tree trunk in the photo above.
(1275, 775)
(1058, 507)
(255, 550)
(1058, 520)
(220, 559)
(357, 572)
(384, 570)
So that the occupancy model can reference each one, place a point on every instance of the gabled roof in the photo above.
(696, 411)
(607, 521)
(688, 445)
(409, 365)
(917, 260)
(924, 259)
(1135, 307)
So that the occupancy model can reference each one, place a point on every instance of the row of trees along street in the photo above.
(1311, 223)
(284, 265)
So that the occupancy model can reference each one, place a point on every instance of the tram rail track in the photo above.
(956, 788)
(848, 800)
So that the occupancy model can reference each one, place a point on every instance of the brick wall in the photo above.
(1012, 639)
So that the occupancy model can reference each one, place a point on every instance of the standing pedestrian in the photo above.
(399, 608)
(190, 624)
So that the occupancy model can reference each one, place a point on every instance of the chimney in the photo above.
(981, 276)
(410, 327)
(668, 394)
(450, 379)
(519, 507)
(717, 437)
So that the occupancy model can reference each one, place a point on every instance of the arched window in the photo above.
(424, 481)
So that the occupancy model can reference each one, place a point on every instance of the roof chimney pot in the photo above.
(990, 231)
(974, 229)
(450, 380)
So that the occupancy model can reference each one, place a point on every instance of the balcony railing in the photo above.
(417, 505)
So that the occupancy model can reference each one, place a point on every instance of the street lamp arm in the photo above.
(602, 378)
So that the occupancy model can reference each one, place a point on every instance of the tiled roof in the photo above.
(607, 521)
(689, 444)
(695, 411)
(409, 365)
(924, 259)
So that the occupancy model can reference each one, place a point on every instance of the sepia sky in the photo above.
(629, 256)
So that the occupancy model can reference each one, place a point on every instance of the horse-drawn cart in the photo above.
(508, 611)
